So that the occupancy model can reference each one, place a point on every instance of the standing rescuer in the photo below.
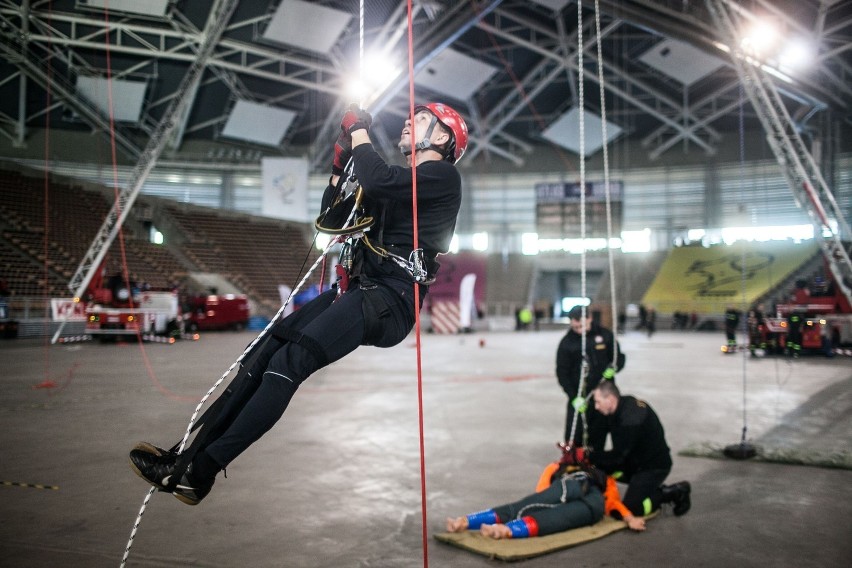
(374, 307)
(600, 353)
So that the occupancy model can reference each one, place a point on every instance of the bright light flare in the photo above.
(796, 55)
(378, 72)
(761, 38)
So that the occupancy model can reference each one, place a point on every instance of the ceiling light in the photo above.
(796, 55)
(761, 38)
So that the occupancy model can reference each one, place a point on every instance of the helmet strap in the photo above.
(425, 142)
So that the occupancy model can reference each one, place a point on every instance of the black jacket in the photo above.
(599, 347)
(638, 440)
(387, 198)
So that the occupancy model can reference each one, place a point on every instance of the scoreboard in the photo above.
(557, 209)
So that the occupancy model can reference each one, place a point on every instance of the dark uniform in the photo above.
(756, 329)
(599, 348)
(377, 308)
(732, 321)
(639, 452)
(794, 333)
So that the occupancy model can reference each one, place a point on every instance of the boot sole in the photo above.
(188, 500)
(148, 449)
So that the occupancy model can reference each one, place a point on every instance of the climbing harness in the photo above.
(352, 231)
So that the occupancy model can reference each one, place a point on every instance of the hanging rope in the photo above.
(607, 193)
(48, 94)
(125, 271)
(215, 386)
(189, 428)
(579, 401)
(416, 246)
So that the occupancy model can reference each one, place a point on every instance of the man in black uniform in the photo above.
(756, 329)
(376, 307)
(640, 455)
(600, 349)
(794, 332)
(732, 322)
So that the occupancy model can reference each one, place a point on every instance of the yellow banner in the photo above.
(707, 280)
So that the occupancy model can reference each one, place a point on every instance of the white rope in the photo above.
(212, 389)
(605, 138)
(361, 52)
(584, 367)
(260, 336)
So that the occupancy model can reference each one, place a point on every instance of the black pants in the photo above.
(643, 494)
(335, 328)
(560, 507)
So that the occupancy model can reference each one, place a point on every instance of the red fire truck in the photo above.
(826, 318)
(217, 311)
(155, 315)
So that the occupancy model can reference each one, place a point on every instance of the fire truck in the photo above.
(826, 318)
(116, 310)
(217, 311)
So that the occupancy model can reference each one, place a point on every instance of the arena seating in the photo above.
(256, 254)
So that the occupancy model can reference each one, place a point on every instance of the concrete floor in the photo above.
(337, 484)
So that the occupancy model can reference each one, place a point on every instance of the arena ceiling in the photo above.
(510, 67)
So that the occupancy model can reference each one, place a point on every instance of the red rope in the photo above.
(125, 272)
(417, 288)
(46, 233)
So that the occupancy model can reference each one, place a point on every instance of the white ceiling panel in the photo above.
(454, 74)
(306, 26)
(127, 96)
(258, 123)
(680, 61)
(565, 131)
(147, 7)
(555, 5)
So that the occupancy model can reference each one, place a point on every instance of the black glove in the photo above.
(355, 118)
(342, 153)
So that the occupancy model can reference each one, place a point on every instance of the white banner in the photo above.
(285, 188)
(60, 307)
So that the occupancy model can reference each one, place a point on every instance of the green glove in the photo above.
(609, 373)
(579, 404)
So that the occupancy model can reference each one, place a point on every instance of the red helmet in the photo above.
(451, 119)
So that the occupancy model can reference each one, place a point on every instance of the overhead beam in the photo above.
(608, 85)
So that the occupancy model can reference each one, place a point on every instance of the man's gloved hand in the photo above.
(355, 118)
(609, 373)
(342, 153)
(580, 404)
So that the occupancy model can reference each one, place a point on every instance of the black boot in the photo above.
(678, 494)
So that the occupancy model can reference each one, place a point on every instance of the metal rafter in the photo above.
(171, 44)
(674, 107)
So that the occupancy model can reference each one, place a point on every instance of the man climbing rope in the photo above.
(600, 346)
(640, 455)
(373, 303)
